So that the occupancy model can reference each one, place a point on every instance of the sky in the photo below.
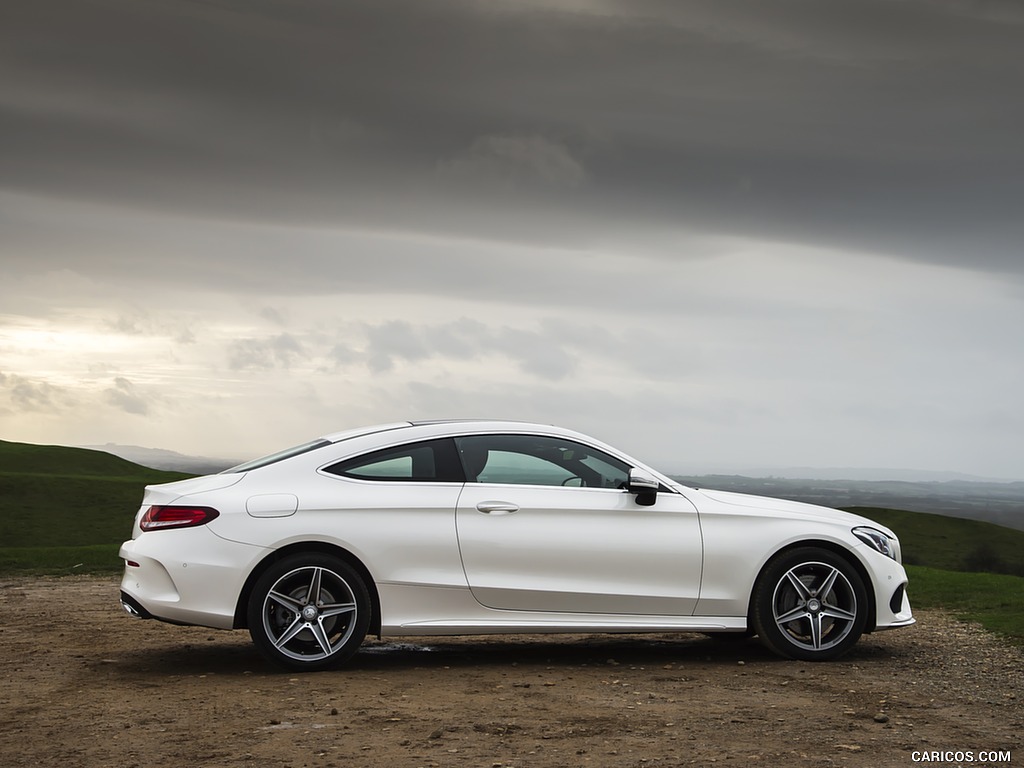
(717, 235)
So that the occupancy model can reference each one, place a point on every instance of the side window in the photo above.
(535, 460)
(417, 462)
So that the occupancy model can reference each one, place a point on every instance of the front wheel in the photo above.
(810, 604)
(309, 611)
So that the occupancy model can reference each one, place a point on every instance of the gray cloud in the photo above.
(271, 315)
(536, 353)
(591, 212)
(279, 351)
(512, 161)
(34, 395)
(125, 396)
(395, 339)
(876, 125)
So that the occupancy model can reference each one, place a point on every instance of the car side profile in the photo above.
(483, 527)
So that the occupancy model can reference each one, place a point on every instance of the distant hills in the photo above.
(158, 458)
(61, 460)
(865, 474)
(870, 474)
(998, 502)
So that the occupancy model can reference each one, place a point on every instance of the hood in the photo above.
(791, 508)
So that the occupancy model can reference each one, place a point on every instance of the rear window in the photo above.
(431, 461)
(273, 458)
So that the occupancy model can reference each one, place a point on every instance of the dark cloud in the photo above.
(883, 125)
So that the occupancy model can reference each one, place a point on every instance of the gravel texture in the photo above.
(85, 685)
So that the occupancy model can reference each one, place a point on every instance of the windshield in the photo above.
(273, 458)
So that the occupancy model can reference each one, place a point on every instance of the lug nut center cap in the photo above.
(813, 605)
(309, 612)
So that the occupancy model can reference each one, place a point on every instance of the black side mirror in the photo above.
(644, 485)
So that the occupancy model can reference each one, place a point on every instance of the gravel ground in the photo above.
(85, 685)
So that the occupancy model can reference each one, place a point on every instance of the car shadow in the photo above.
(234, 655)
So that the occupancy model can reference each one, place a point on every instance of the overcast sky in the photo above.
(716, 234)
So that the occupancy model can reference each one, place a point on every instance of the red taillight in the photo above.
(159, 517)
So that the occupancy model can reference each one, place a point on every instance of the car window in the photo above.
(279, 456)
(434, 460)
(539, 460)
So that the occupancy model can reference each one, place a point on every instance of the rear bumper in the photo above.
(188, 576)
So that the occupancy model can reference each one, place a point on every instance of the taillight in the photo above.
(160, 517)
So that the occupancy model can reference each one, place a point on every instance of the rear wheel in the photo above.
(309, 611)
(810, 604)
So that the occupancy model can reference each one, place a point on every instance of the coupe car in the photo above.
(475, 527)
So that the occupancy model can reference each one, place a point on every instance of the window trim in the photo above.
(447, 466)
(498, 436)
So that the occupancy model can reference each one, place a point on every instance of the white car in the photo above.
(472, 527)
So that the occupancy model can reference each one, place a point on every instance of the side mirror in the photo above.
(644, 485)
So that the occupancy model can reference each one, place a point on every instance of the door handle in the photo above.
(497, 507)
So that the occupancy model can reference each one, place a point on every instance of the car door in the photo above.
(545, 524)
(396, 506)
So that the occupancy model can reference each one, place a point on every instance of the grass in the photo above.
(996, 601)
(66, 510)
(61, 561)
(952, 543)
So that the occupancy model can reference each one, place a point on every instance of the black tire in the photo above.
(810, 604)
(309, 611)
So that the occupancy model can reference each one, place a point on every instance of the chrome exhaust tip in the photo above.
(133, 608)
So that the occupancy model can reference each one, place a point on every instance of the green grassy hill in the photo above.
(61, 507)
(952, 543)
(27, 458)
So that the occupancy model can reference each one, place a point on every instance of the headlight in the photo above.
(887, 545)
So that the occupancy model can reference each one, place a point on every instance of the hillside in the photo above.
(951, 543)
(158, 458)
(57, 497)
(50, 460)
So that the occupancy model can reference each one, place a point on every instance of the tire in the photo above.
(810, 604)
(309, 611)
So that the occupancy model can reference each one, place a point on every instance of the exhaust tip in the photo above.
(133, 608)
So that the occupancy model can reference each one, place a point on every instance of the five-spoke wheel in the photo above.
(810, 604)
(309, 611)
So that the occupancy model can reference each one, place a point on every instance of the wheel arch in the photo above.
(240, 621)
(834, 548)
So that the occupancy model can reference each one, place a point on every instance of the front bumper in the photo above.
(892, 606)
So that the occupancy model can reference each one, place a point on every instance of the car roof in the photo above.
(467, 424)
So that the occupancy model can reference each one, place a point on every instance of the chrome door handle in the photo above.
(497, 507)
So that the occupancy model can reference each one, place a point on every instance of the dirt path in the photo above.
(85, 685)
